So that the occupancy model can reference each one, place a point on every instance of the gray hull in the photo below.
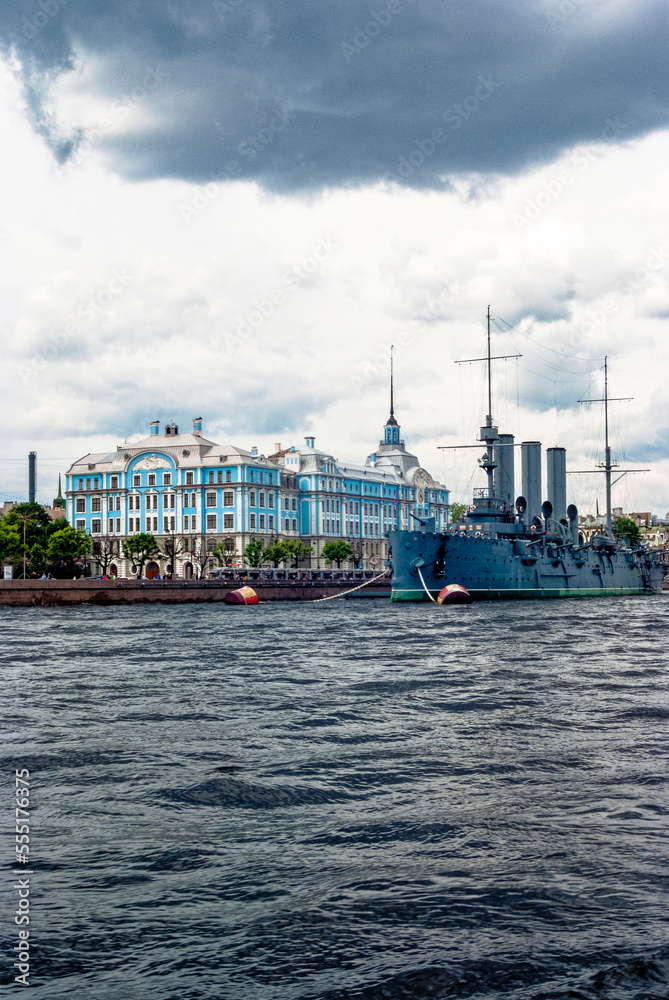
(494, 568)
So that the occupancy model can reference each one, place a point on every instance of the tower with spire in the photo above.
(392, 452)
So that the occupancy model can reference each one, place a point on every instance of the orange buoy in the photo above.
(245, 595)
(453, 593)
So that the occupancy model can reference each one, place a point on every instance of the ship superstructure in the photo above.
(519, 547)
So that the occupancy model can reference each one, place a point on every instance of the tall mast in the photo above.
(488, 420)
(607, 449)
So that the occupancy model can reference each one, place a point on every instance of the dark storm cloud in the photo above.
(300, 94)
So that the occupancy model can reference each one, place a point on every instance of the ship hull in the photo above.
(494, 568)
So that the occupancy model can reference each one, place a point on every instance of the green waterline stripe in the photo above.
(526, 594)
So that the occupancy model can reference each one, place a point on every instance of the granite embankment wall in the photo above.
(56, 593)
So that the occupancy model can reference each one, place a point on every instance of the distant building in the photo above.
(183, 485)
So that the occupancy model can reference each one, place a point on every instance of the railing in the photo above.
(319, 575)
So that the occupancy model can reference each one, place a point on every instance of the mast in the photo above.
(488, 421)
(607, 450)
(392, 413)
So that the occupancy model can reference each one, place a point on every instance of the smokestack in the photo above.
(154, 427)
(503, 475)
(32, 476)
(556, 465)
(531, 459)
(197, 426)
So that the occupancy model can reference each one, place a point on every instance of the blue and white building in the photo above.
(183, 485)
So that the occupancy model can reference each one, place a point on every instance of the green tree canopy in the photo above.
(225, 552)
(296, 550)
(337, 552)
(275, 553)
(626, 530)
(139, 549)
(11, 542)
(457, 511)
(66, 551)
(253, 553)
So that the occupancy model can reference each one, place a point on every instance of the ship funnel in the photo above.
(503, 482)
(556, 464)
(531, 459)
(572, 514)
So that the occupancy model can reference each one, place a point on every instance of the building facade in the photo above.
(192, 494)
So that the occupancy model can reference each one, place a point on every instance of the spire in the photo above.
(60, 499)
(391, 422)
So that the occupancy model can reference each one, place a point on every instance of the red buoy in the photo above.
(453, 593)
(245, 595)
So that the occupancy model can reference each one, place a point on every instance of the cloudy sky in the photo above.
(233, 208)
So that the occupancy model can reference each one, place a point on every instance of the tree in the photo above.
(173, 546)
(275, 553)
(104, 550)
(336, 552)
(37, 562)
(457, 511)
(202, 550)
(296, 550)
(66, 551)
(11, 544)
(253, 553)
(626, 530)
(225, 552)
(139, 549)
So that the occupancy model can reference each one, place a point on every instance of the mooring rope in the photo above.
(424, 587)
(332, 597)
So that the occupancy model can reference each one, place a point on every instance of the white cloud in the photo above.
(118, 310)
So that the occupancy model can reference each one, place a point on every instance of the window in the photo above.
(167, 478)
(118, 504)
(186, 524)
(228, 476)
(211, 499)
(270, 522)
(152, 479)
(81, 484)
(294, 525)
(189, 479)
(270, 500)
(169, 501)
(96, 504)
(250, 475)
(252, 498)
(96, 526)
(118, 525)
(262, 522)
(110, 526)
(186, 499)
(252, 522)
(114, 482)
(211, 522)
(228, 520)
(193, 522)
(166, 524)
(294, 503)
(228, 498)
(261, 498)
(219, 476)
(211, 477)
(81, 525)
(136, 480)
(81, 505)
(171, 522)
(88, 484)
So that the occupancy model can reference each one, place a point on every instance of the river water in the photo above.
(342, 800)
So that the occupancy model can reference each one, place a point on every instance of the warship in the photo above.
(518, 547)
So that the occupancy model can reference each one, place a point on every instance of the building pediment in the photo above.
(151, 462)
